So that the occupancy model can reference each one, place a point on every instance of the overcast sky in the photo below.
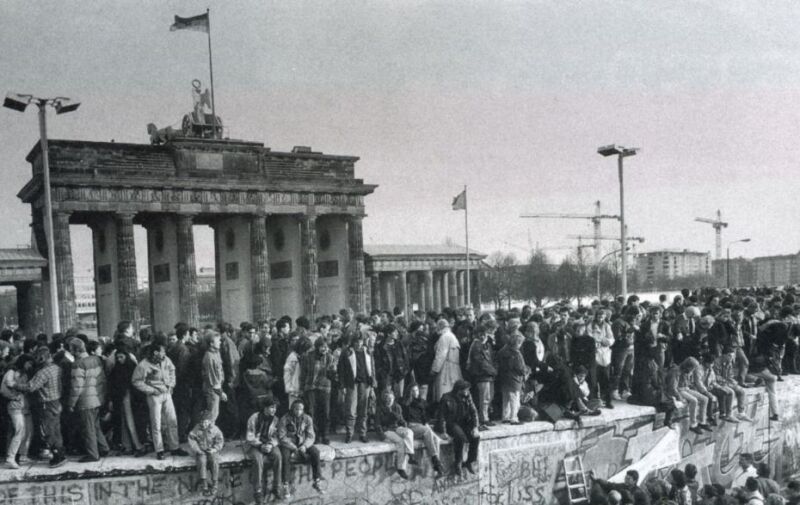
(509, 98)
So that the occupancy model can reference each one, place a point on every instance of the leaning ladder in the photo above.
(577, 487)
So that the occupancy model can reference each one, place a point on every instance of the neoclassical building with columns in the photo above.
(425, 277)
(287, 227)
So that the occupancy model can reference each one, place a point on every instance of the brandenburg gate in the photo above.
(287, 227)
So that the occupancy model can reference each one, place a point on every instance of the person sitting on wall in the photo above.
(583, 405)
(205, 441)
(263, 448)
(458, 417)
(390, 425)
(415, 412)
(296, 437)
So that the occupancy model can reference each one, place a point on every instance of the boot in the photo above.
(437, 467)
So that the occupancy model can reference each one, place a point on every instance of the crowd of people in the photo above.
(752, 485)
(283, 386)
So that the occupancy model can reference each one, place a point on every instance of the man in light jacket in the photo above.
(155, 377)
(446, 367)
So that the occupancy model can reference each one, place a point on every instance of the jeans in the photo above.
(429, 438)
(311, 457)
(163, 423)
(621, 369)
(128, 426)
(769, 383)
(599, 379)
(20, 441)
(741, 363)
(93, 438)
(318, 406)
(355, 408)
(403, 439)
(698, 403)
(461, 435)
(724, 397)
(485, 394)
(274, 460)
(211, 411)
(511, 405)
(51, 425)
(206, 461)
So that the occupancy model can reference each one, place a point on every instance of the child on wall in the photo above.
(205, 441)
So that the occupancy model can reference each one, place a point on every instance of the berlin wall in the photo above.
(518, 464)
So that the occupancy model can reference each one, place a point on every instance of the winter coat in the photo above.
(87, 383)
(584, 351)
(295, 432)
(254, 436)
(388, 418)
(446, 366)
(154, 379)
(17, 400)
(512, 369)
(317, 371)
(455, 408)
(292, 374)
(391, 362)
(346, 368)
(206, 440)
(212, 371)
(481, 363)
(604, 339)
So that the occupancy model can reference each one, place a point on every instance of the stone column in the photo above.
(67, 311)
(445, 291)
(402, 290)
(26, 316)
(429, 288)
(187, 272)
(452, 285)
(375, 285)
(217, 273)
(421, 290)
(437, 291)
(460, 283)
(126, 269)
(259, 267)
(355, 246)
(310, 269)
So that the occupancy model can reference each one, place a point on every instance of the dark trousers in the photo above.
(273, 459)
(51, 425)
(790, 358)
(94, 442)
(228, 420)
(319, 408)
(311, 457)
(462, 435)
(182, 400)
(621, 368)
(598, 378)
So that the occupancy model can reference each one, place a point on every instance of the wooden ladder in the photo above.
(577, 487)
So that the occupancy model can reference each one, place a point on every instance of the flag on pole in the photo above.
(195, 23)
(460, 201)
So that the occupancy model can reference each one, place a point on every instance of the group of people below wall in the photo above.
(283, 386)
(752, 486)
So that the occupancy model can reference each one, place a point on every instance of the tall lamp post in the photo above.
(62, 105)
(599, 264)
(621, 153)
(728, 261)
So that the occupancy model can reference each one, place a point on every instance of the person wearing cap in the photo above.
(482, 369)
(446, 367)
(458, 417)
(296, 438)
(263, 448)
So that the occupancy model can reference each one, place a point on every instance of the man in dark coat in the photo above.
(458, 417)
(482, 369)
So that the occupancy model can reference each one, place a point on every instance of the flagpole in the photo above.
(211, 71)
(466, 236)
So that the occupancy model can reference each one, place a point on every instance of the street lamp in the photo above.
(621, 153)
(62, 105)
(728, 261)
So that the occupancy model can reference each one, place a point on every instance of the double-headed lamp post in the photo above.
(62, 105)
(728, 261)
(621, 153)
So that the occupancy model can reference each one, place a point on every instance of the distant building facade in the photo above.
(778, 270)
(670, 264)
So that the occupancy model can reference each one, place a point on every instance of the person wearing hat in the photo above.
(446, 367)
(482, 369)
(263, 448)
(458, 417)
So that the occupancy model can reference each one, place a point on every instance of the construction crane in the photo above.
(595, 218)
(718, 225)
(550, 248)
